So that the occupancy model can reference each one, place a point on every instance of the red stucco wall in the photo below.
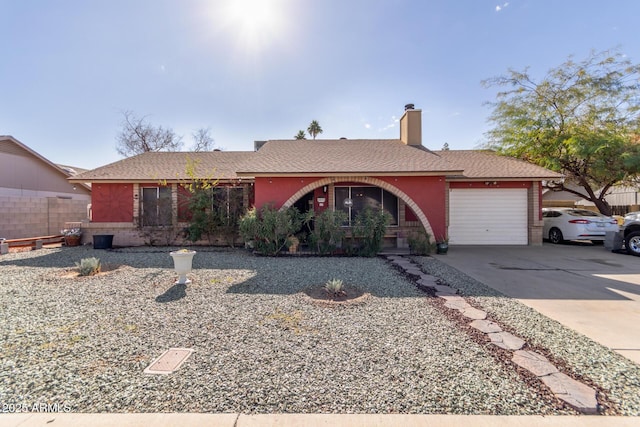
(427, 192)
(276, 191)
(112, 202)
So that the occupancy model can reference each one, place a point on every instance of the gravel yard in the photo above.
(261, 345)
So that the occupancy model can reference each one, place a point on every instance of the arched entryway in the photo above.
(365, 180)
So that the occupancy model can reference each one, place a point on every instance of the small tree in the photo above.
(300, 135)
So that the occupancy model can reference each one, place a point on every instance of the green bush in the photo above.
(88, 266)
(420, 242)
(367, 233)
(328, 231)
(267, 229)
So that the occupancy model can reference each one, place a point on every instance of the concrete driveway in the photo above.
(587, 288)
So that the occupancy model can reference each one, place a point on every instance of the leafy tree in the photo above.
(314, 129)
(138, 136)
(300, 135)
(582, 119)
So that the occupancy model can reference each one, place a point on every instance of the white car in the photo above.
(562, 224)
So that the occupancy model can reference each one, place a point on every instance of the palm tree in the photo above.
(300, 135)
(314, 129)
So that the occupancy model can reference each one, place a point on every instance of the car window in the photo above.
(581, 212)
(551, 214)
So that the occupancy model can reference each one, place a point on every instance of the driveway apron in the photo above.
(586, 288)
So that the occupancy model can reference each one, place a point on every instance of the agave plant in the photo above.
(88, 266)
(335, 288)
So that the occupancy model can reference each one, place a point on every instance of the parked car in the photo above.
(631, 232)
(562, 224)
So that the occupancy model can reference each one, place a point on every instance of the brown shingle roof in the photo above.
(486, 164)
(170, 166)
(344, 156)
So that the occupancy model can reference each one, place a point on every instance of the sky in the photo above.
(263, 69)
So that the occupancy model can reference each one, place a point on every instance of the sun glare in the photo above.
(255, 23)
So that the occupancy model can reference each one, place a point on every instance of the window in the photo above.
(156, 206)
(353, 200)
(227, 203)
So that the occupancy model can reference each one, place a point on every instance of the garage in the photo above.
(491, 216)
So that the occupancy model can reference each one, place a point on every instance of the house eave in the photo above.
(342, 174)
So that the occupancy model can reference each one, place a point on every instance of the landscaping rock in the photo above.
(506, 340)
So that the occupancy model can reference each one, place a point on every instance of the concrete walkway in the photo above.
(306, 420)
(587, 288)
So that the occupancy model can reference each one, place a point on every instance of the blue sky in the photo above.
(263, 69)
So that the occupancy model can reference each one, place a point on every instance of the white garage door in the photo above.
(496, 216)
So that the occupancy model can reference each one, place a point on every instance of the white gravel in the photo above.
(260, 345)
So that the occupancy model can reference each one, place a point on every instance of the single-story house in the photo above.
(35, 197)
(470, 197)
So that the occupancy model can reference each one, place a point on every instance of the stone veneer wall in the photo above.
(22, 217)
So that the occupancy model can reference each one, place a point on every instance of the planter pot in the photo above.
(72, 240)
(182, 262)
(102, 241)
(442, 248)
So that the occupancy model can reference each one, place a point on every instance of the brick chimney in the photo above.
(411, 126)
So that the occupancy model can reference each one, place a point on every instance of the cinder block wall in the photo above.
(22, 217)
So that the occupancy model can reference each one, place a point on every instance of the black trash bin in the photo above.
(102, 241)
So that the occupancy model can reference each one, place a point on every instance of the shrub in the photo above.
(420, 242)
(88, 266)
(334, 287)
(368, 230)
(328, 231)
(267, 229)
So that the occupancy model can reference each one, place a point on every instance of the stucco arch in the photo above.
(365, 180)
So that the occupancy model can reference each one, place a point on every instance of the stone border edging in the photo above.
(579, 396)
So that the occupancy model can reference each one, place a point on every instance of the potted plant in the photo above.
(182, 263)
(442, 245)
(72, 236)
(292, 244)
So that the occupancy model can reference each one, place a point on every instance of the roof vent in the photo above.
(343, 137)
(409, 107)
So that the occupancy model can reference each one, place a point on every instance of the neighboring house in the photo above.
(35, 197)
(621, 198)
(471, 197)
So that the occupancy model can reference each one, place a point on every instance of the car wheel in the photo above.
(555, 236)
(632, 242)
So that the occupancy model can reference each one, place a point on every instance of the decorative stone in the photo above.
(455, 304)
(533, 362)
(580, 396)
(445, 288)
(474, 313)
(413, 270)
(486, 326)
(427, 282)
(506, 340)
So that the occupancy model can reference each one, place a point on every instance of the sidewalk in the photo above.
(307, 420)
